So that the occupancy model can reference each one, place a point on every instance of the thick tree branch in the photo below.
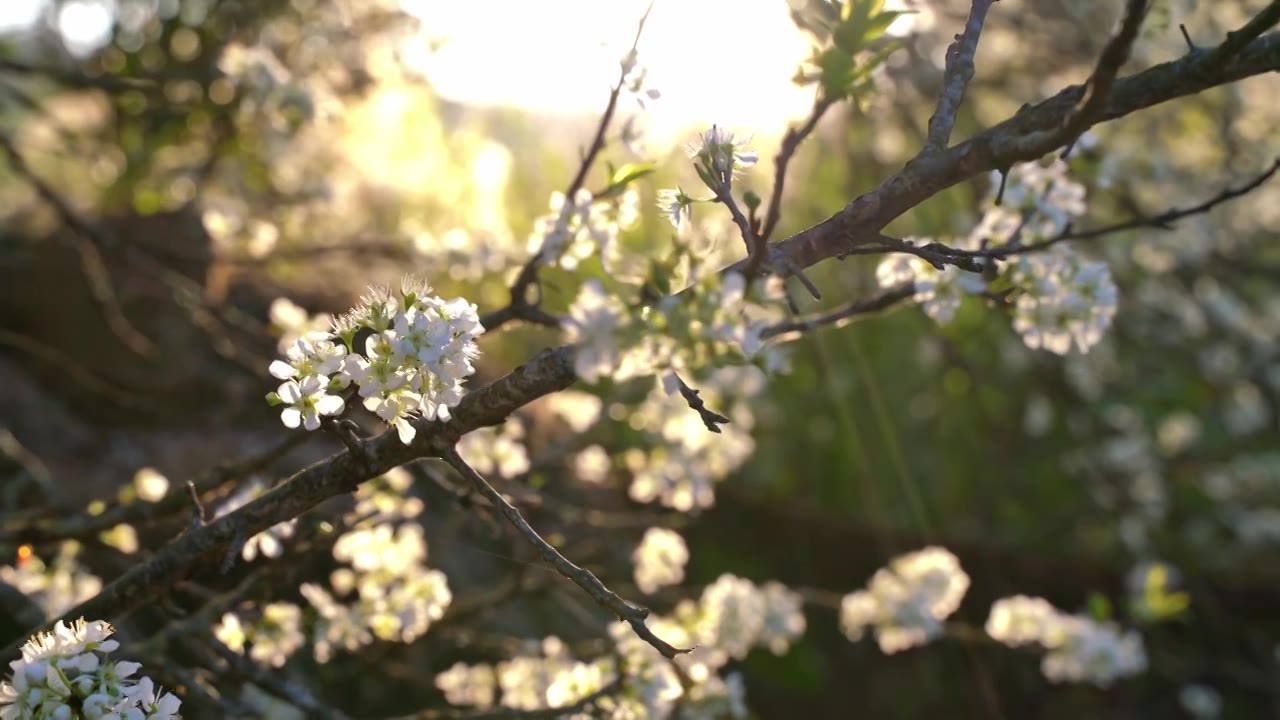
(860, 221)
(956, 77)
(548, 372)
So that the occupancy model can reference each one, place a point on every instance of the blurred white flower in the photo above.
(593, 322)
(1080, 649)
(659, 560)
(906, 602)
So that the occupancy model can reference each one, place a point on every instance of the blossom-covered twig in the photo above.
(1160, 221)
(860, 221)
(633, 615)
(956, 77)
(520, 307)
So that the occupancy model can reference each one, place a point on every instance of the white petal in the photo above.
(330, 405)
(291, 417)
(282, 370)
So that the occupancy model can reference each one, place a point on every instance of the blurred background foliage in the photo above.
(268, 149)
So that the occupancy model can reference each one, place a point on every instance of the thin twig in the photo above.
(713, 420)
(273, 682)
(63, 527)
(520, 307)
(583, 578)
(503, 713)
(1238, 39)
(1162, 221)
(1092, 105)
(955, 78)
(837, 318)
(95, 270)
(790, 143)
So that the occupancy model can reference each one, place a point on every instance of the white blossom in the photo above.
(721, 152)
(65, 674)
(906, 602)
(593, 323)
(464, 684)
(306, 400)
(676, 206)
(1080, 649)
(1065, 302)
(421, 350)
(659, 560)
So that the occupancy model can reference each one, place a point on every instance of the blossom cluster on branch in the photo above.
(67, 674)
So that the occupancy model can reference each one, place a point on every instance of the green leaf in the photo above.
(660, 274)
(864, 70)
(837, 72)
(622, 177)
(1099, 606)
(876, 26)
(751, 199)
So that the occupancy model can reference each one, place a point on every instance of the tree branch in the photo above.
(1097, 89)
(1237, 39)
(790, 143)
(713, 420)
(866, 306)
(519, 307)
(956, 77)
(634, 615)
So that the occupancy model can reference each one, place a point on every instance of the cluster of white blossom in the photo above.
(416, 356)
(55, 586)
(496, 451)
(1064, 300)
(576, 227)
(384, 592)
(1080, 649)
(717, 155)
(65, 674)
(397, 597)
(681, 467)
(938, 291)
(715, 317)
(659, 560)
(732, 616)
(1061, 300)
(906, 602)
(272, 638)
